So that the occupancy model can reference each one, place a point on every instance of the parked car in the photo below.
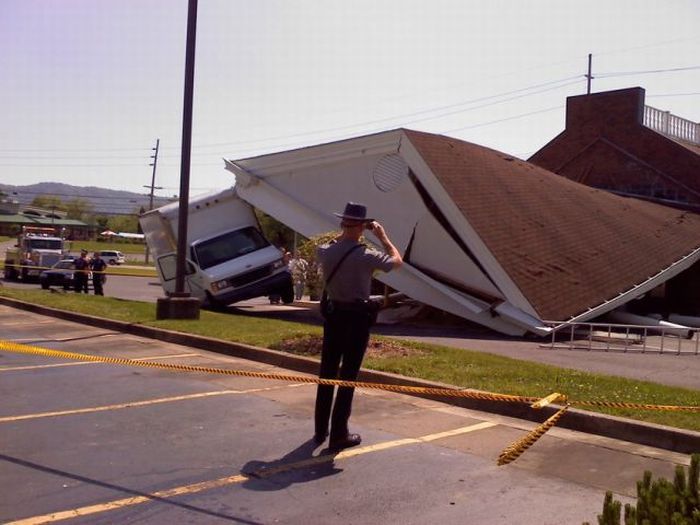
(112, 256)
(60, 274)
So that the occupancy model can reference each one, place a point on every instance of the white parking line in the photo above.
(32, 367)
(147, 402)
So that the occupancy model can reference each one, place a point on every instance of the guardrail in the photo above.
(611, 337)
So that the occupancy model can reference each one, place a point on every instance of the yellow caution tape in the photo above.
(515, 449)
(447, 392)
(509, 454)
(148, 272)
(551, 398)
(636, 406)
(451, 392)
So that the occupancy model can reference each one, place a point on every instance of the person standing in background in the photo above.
(80, 277)
(98, 267)
(298, 268)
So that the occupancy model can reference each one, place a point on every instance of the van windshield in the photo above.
(228, 246)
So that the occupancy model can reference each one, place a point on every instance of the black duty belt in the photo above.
(349, 306)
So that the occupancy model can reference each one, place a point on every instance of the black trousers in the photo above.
(345, 338)
(97, 283)
(80, 281)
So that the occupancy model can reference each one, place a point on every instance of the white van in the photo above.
(228, 257)
(112, 256)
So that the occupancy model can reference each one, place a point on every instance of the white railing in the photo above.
(671, 125)
(608, 337)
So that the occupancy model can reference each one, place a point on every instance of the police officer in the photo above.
(98, 267)
(80, 276)
(350, 266)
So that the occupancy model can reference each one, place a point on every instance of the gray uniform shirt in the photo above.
(352, 280)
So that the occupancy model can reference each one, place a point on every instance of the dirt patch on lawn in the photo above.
(311, 346)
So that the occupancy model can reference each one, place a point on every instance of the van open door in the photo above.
(166, 265)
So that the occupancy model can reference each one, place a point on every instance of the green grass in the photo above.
(132, 262)
(447, 365)
(143, 271)
(127, 248)
(512, 376)
(4, 238)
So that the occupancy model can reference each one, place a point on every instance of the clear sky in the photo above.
(86, 86)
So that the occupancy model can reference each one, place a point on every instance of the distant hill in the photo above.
(102, 200)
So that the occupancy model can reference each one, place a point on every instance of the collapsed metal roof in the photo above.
(485, 236)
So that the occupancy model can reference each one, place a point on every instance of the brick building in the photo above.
(614, 142)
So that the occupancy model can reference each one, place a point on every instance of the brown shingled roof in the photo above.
(566, 246)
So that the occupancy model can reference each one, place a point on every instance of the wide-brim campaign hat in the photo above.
(354, 212)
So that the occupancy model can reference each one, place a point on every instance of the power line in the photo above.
(674, 95)
(52, 157)
(570, 81)
(85, 195)
(379, 129)
(567, 81)
(422, 112)
(145, 150)
(12, 165)
(647, 72)
(522, 115)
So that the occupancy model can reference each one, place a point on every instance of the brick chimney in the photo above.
(599, 111)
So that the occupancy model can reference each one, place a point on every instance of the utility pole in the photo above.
(153, 183)
(589, 76)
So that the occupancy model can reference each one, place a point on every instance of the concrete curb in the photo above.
(659, 436)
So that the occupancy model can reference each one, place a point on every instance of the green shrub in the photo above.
(659, 502)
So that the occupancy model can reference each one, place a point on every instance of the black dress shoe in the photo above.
(320, 437)
(351, 440)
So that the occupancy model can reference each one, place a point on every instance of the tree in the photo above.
(659, 502)
(123, 223)
(78, 209)
(48, 202)
(277, 233)
(102, 222)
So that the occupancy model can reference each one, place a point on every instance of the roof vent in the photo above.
(389, 172)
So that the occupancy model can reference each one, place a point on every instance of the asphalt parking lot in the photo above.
(97, 443)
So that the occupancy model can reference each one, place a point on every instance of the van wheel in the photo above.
(212, 304)
(112, 262)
